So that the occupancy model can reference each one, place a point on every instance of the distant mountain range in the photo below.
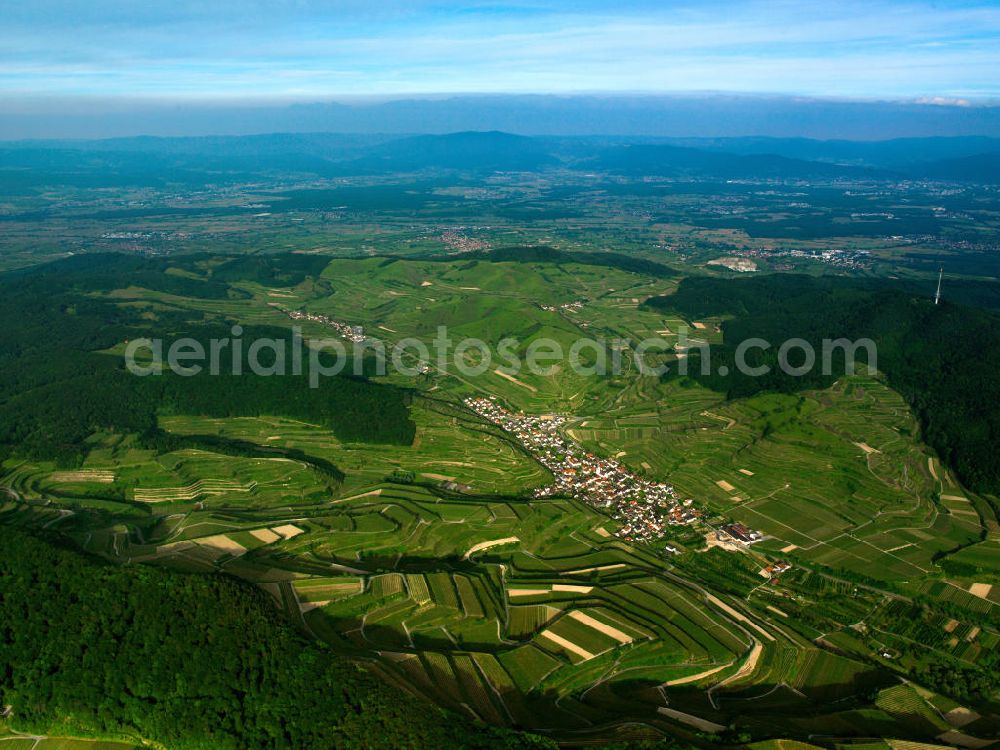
(647, 115)
(678, 161)
(480, 151)
(893, 153)
(146, 160)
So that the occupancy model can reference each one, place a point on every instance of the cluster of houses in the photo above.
(574, 306)
(775, 569)
(644, 508)
(351, 333)
(462, 243)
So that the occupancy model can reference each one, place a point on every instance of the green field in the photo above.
(559, 625)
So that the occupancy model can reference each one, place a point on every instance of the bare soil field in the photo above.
(694, 677)
(981, 590)
(567, 644)
(514, 380)
(288, 531)
(486, 545)
(590, 622)
(265, 535)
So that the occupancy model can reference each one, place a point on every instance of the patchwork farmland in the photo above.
(433, 564)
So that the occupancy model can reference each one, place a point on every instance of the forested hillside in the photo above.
(945, 359)
(56, 387)
(190, 661)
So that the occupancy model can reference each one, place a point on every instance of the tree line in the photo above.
(192, 661)
(57, 388)
(944, 359)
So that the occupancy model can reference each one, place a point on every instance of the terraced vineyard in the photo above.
(435, 565)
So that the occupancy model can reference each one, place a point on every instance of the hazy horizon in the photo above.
(717, 115)
(111, 68)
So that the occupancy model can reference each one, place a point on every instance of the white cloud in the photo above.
(309, 47)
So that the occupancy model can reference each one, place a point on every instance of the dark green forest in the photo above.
(195, 662)
(547, 254)
(57, 388)
(944, 359)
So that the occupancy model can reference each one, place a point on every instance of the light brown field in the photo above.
(288, 531)
(612, 566)
(599, 626)
(601, 531)
(748, 666)
(514, 380)
(694, 677)
(568, 587)
(265, 535)
(223, 544)
(747, 472)
(981, 590)
(725, 485)
(567, 644)
(867, 448)
(737, 615)
(790, 548)
(527, 592)
(372, 493)
(486, 545)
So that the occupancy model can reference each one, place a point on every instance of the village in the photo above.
(644, 508)
(574, 306)
(355, 334)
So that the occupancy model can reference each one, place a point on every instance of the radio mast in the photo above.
(937, 295)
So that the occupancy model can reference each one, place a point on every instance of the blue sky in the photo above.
(308, 50)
